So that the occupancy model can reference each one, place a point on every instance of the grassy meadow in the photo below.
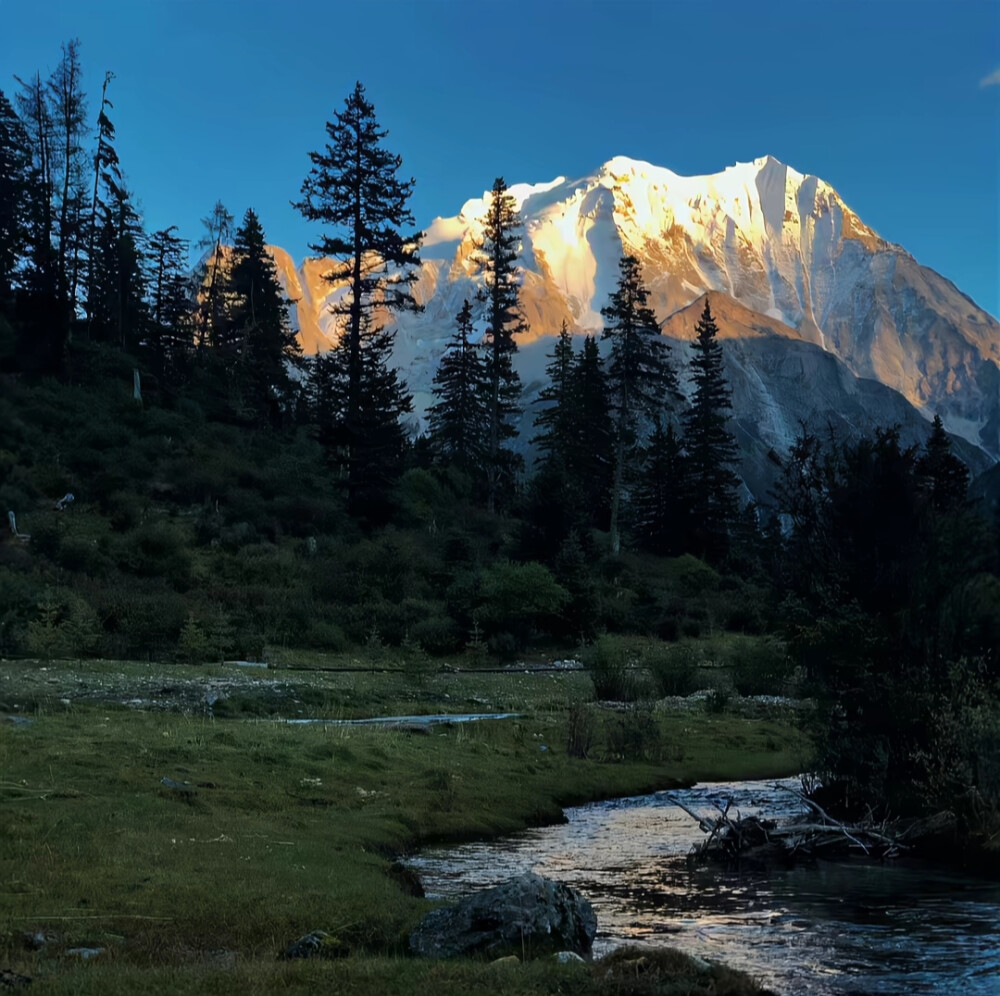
(269, 830)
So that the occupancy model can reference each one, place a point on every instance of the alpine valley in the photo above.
(823, 322)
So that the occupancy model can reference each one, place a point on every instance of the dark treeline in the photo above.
(232, 495)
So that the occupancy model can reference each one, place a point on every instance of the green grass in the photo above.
(289, 828)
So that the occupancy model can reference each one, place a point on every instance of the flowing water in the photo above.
(829, 929)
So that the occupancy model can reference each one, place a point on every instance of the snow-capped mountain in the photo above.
(813, 305)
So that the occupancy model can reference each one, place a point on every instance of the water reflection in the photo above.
(833, 928)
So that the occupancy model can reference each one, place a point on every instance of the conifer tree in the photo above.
(458, 418)
(353, 187)
(641, 379)
(590, 456)
(258, 342)
(218, 228)
(661, 500)
(68, 112)
(496, 257)
(43, 333)
(107, 171)
(118, 288)
(15, 160)
(171, 331)
(373, 451)
(556, 421)
(940, 474)
(709, 445)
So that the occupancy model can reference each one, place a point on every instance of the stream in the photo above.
(832, 928)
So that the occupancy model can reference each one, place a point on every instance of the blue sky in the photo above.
(885, 99)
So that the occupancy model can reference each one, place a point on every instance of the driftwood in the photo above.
(815, 834)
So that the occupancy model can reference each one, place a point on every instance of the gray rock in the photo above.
(316, 944)
(528, 915)
(84, 953)
(568, 958)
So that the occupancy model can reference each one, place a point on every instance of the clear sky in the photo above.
(890, 101)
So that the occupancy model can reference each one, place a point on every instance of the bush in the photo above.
(760, 667)
(581, 730)
(616, 668)
(322, 634)
(635, 735)
(674, 667)
(437, 635)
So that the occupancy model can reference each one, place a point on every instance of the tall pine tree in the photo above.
(41, 315)
(458, 418)
(68, 112)
(941, 475)
(107, 173)
(661, 501)
(258, 336)
(353, 187)
(213, 275)
(15, 161)
(555, 422)
(641, 380)
(590, 453)
(171, 329)
(709, 446)
(496, 257)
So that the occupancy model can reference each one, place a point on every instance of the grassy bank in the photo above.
(276, 830)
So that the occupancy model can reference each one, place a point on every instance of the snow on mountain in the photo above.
(781, 246)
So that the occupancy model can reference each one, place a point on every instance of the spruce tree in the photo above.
(640, 377)
(555, 423)
(661, 502)
(43, 332)
(107, 172)
(458, 419)
(496, 257)
(258, 342)
(940, 474)
(709, 445)
(353, 187)
(118, 289)
(15, 160)
(68, 112)
(171, 330)
(590, 453)
(374, 448)
(213, 274)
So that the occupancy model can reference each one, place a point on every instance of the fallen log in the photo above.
(813, 834)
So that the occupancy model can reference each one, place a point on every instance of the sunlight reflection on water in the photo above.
(834, 928)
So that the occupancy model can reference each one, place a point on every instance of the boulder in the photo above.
(527, 915)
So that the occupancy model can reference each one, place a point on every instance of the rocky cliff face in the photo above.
(819, 314)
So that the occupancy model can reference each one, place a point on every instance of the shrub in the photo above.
(616, 668)
(635, 735)
(581, 730)
(193, 645)
(322, 634)
(674, 667)
(437, 635)
(760, 667)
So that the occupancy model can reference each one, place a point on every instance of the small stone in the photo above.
(568, 958)
(506, 960)
(316, 944)
(84, 953)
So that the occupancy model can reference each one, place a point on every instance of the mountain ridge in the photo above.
(780, 243)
